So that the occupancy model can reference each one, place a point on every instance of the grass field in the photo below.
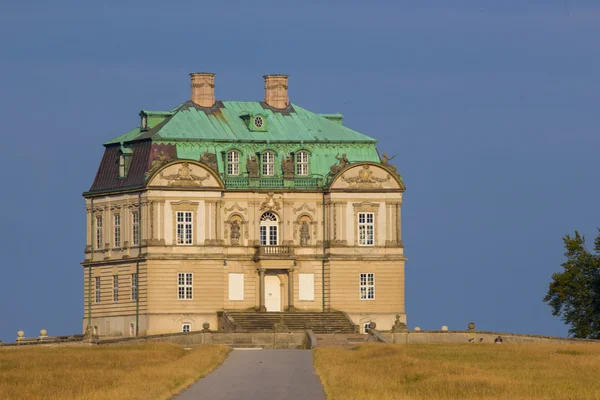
(153, 371)
(470, 371)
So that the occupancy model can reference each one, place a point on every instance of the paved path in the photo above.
(260, 374)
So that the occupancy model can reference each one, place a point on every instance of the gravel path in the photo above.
(260, 374)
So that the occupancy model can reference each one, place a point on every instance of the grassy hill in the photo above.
(153, 371)
(470, 371)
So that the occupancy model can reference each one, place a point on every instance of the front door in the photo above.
(272, 293)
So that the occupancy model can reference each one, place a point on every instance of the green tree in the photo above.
(574, 293)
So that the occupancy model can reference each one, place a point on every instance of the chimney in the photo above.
(203, 88)
(276, 91)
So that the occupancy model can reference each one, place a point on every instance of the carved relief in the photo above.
(287, 164)
(270, 203)
(304, 207)
(365, 180)
(252, 165)
(185, 177)
(235, 206)
(210, 159)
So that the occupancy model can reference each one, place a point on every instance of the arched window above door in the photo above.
(269, 229)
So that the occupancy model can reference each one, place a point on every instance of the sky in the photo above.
(491, 108)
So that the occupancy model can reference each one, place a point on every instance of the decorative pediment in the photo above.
(304, 207)
(185, 174)
(367, 176)
(235, 206)
(270, 203)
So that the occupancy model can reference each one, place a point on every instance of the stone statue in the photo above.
(210, 159)
(235, 233)
(334, 169)
(252, 165)
(385, 160)
(304, 234)
(158, 159)
(399, 326)
(287, 164)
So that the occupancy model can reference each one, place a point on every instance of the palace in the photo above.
(229, 206)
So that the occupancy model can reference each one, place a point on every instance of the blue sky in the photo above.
(492, 108)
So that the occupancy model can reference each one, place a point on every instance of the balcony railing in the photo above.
(240, 182)
(274, 251)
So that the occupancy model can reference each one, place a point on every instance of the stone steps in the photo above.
(330, 322)
(347, 341)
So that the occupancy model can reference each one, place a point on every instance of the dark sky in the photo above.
(492, 108)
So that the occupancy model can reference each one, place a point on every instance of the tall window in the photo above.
(233, 163)
(302, 163)
(115, 288)
(366, 229)
(268, 163)
(121, 166)
(134, 286)
(184, 286)
(268, 229)
(99, 232)
(97, 289)
(367, 286)
(117, 226)
(135, 217)
(184, 227)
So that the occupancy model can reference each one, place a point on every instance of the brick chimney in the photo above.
(203, 88)
(276, 91)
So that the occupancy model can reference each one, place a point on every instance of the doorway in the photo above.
(272, 293)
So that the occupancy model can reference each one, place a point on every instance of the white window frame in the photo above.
(268, 163)
(134, 286)
(135, 228)
(363, 225)
(365, 285)
(115, 288)
(98, 290)
(269, 230)
(302, 159)
(233, 162)
(117, 229)
(184, 228)
(98, 232)
(186, 327)
(185, 286)
(366, 327)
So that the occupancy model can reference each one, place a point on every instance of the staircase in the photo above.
(347, 341)
(320, 323)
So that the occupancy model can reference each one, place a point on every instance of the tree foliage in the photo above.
(574, 293)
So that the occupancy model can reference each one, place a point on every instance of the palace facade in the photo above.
(242, 206)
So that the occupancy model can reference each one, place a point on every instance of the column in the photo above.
(261, 288)
(399, 223)
(291, 289)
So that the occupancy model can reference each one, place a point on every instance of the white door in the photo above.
(272, 293)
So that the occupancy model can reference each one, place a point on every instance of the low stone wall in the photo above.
(266, 340)
(476, 337)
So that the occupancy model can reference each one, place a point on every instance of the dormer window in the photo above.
(302, 163)
(144, 123)
(256, 121)
(268, 163)
(122, 166)
(124, 161)
(233, 162)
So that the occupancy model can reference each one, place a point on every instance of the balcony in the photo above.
(242, 182)
(274, 252)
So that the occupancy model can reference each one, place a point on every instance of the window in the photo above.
(184, 227)
(365, 229)
(184, 286)
(268, 163)
(135, 216)
(268, 229)
(121, 166)
(97, 289)
(366, 327)
(302, 163)
(115, 288)
(134, 286)
(233, 163)
(186, 328)
(258, 122)
(236, 286)
(367, 286)
(117, 226)
(98, 232)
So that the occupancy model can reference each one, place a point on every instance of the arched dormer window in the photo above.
(302, 163)
(268, 163)
(268, 229)
(233, 162)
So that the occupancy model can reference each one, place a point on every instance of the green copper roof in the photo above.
(126, 137)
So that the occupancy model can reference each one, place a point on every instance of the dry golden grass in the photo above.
(152, 371)
(470, 371)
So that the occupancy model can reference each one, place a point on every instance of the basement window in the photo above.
(186, 328)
